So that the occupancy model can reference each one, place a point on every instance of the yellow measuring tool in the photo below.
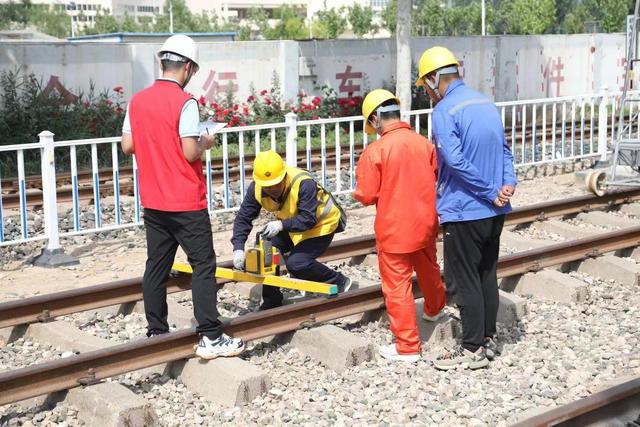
(269, 280)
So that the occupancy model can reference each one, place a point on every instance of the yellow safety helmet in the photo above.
(268, 168)
(371, 102)
(433, 59)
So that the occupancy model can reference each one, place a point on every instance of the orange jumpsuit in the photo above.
(398, 174)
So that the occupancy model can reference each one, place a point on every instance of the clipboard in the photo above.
(211, 128)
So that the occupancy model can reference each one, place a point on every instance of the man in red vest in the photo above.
(161, 128)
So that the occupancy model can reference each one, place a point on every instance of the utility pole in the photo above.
(484, 12)
(170, 17)
(403, 53)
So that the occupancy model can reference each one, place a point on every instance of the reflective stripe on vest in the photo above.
(327, 213)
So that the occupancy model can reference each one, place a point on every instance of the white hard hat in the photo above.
(179, 44)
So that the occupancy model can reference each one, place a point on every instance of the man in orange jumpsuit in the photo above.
(398, 174)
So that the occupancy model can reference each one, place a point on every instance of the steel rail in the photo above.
(45, 307)
(591, 410)
(97, 365)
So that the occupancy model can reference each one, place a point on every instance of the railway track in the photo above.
(88, 368)
(617, 405)
(45, 307)
(93, 366)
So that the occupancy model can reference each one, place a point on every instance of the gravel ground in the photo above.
(113, 327)
(27, 352)
(532, 232)
(556, 353)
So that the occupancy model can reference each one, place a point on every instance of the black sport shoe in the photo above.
(345, 285)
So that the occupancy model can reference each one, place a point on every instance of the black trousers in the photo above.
(192, 232)
(302, 264)
(471, 251)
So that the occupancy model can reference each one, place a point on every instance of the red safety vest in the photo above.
(167, 182)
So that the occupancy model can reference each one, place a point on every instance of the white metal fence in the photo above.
(538, 131)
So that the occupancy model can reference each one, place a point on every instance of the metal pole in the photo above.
(170, 17)
(484, 31)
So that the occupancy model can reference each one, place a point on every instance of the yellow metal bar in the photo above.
(281, 282)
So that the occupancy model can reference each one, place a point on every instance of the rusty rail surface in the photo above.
(44, 307)
(97, 365)
(612, 403)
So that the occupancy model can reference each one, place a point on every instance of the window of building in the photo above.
(378, 4)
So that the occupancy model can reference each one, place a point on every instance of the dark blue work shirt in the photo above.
(304, 220)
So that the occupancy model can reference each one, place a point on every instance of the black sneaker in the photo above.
(491, 348)
(269, 305)
(345, 285)
(461, 357)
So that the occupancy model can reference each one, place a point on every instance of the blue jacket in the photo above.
(474, 160)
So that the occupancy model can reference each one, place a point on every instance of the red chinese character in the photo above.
(553, 74)
(213, 86)
(622, 66)
(346, 81)
(54, 84)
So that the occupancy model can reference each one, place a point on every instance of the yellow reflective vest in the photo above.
(327, 213)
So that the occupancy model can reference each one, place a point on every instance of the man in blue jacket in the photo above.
(476, 181)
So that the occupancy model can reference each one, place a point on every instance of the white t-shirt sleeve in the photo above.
(189, 119)
(126, 125)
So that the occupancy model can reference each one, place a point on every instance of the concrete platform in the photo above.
(228, 381)
(247, 290)
(335, 348)
(609, 267)
(631, 209)
(179, 315)
(515, 241)
(547, 284)
(604, 219)
(110, 404)
(66, 336)
(433, 333)
(512, 308)
(566, 230)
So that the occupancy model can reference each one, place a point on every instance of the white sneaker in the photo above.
(224, 346)
(391, 353)
(441, 314)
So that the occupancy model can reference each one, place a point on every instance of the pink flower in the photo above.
(316, 100)
(267, 101)
(109, 102)
(118, 89)
(225, 112)
(250, 98)
(235, 107)
(263, 92)
(202, 101)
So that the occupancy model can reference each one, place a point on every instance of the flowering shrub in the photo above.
(27, 108)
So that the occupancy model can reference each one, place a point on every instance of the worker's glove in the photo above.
(238, 259)
(272, 229)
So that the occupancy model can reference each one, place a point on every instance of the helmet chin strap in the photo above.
(434, 86)
(386, 109)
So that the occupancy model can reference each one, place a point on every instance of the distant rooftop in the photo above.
(151, 37)
(26, 34)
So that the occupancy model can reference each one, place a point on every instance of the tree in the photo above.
(361, 20)
(389, 16)
(429, 18)
(614, 14)
(527, 16)
(332, 22)
(50, 20)
(290, 25)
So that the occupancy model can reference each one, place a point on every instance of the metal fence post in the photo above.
(291, 119)
(603, 133)
(52, 254)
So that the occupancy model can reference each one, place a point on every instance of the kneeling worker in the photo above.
(398, 174)
(307, 219)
